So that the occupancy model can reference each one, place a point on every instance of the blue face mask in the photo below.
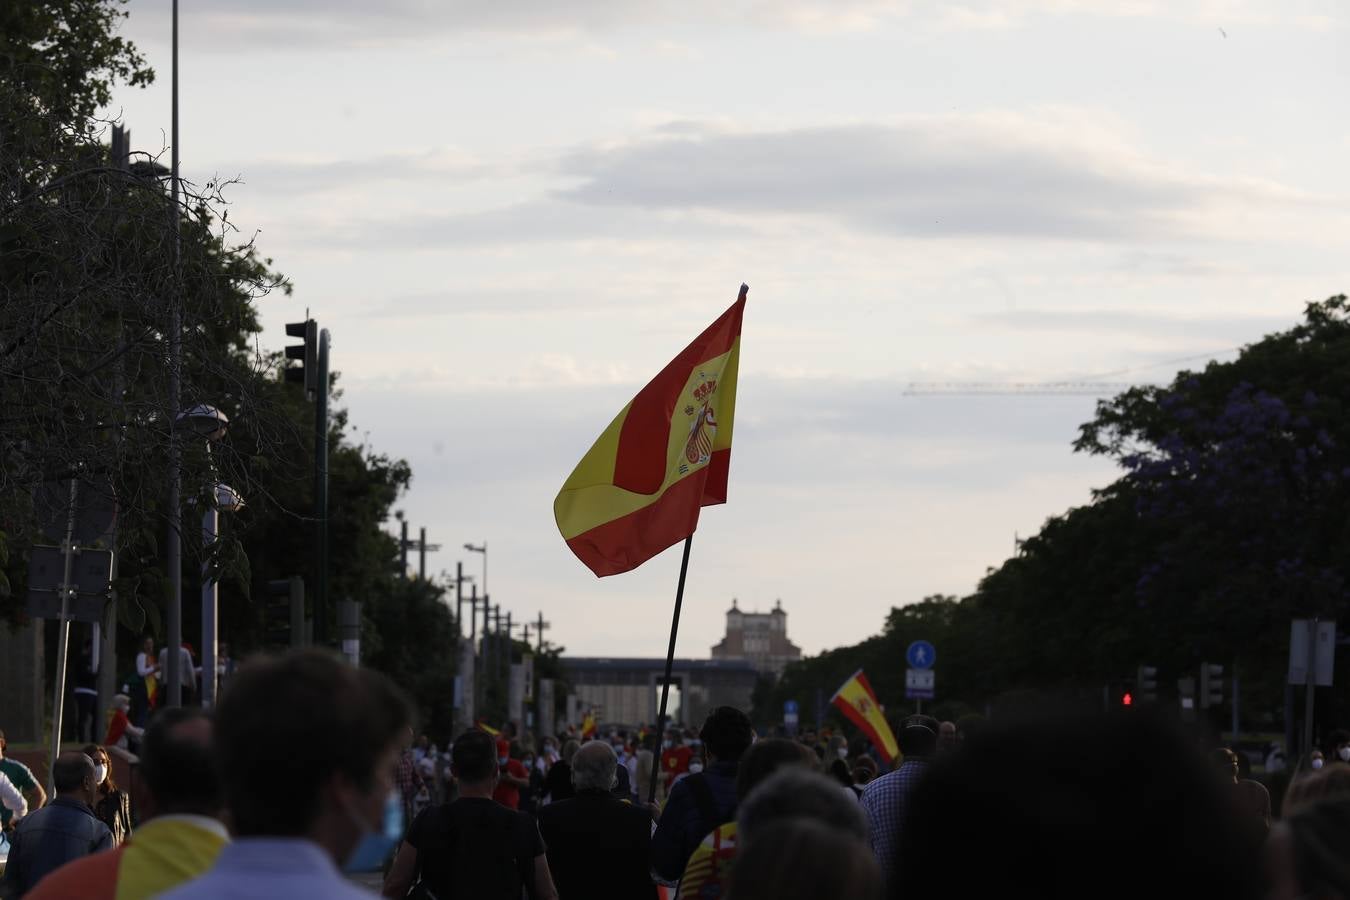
(375, 847)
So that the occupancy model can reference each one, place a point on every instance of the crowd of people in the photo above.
(307, 781)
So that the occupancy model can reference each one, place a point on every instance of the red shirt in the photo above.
(675, 761)
(508, 795)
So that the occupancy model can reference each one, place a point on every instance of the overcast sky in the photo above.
(510, 215)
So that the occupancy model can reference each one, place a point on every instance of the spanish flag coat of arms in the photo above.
(666, 455)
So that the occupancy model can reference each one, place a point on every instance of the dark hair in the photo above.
(1319, 835)
(766, 757)
(727, 732)
(802, 859)
(70, 770)
(797, 793)
(474, 756)
(275, 705)
(1084, 788)
(108, 786)
(918, 737)
(179, 768)
(1332, 781)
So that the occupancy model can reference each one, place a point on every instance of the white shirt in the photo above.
(12, 798)
(143, 665)
(187, 675)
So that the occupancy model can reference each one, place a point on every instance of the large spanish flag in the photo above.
(640, 487)
(858, 702)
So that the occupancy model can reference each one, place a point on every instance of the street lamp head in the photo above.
(473, 549)
(228, 499)
(204, 421)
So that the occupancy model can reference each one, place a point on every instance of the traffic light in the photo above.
(1146, 682)
(1211, 685)
(1127, 699)
(307, 373)
(284, 612)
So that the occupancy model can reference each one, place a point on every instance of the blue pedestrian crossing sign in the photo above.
(921, 655)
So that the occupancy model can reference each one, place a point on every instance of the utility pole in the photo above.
(540, 625)
(173, 551)
(321, 494)
(403, 550)
(459, 598)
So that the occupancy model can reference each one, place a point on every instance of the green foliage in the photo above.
(1230, 518)
(87, 285)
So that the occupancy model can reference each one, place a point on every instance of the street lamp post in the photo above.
(483, 550)
(209, 424)
(228, 499)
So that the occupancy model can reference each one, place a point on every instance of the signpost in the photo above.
(919, 677)
(1312, 659)
(790, 717)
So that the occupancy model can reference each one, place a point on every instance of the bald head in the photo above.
(593, 767)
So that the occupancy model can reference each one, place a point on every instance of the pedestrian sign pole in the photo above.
(919, 677)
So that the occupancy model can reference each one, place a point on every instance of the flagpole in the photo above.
(670, 662)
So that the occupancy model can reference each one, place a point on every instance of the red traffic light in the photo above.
(1127, 699)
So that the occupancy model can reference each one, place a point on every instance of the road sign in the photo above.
(921, 655)
(919, 684)
(90, 575)
(1323, 654)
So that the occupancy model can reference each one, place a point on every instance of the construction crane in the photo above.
(1024, 388)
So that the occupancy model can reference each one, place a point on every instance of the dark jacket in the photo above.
(598, 847)
(61, 831)
(684, 822)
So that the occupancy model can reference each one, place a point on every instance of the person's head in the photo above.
(918, 737)
(1332, 782)
(672, 739)
(593, 767)
(2, 744)
(103, 777)
(969, 725)
(503, 751)
(569, 750)
(794, 792)
(223, 650)
(766, 757)
(122, 702)
(727, 733)
(276, 707)
(803, 859)
(148, 645)
(864, 770)
(1316, 760)
(73, 777)
(178, 773)
(946, 736)
(473, 759)
(1050, 800)
(550, 745)
(1306, 853)
(1339, 742)
(1225, 764)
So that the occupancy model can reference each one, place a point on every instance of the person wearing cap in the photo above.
(884, 800)
(513, 776)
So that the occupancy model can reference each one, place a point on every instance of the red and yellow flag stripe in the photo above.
(856, 700)
(667, 454)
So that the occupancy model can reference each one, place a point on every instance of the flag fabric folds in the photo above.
(640, 487)
(858, 702)
(483, 726)
(588, 725)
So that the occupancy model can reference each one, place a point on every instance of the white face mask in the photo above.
(666, 744)
(1344, 754)
(695, 768)
(1317, 763)
(100, 773)
(843, 753)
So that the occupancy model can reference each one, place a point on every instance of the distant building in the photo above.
(758, 638)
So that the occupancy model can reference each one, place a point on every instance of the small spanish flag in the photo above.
(640, 487)
(483, 726)
(858, 702)
(588, 725)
